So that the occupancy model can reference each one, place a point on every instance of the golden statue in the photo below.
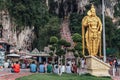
(91, 32)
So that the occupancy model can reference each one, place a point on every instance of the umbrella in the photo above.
(14, 51)
(13, 55)
(25, 57)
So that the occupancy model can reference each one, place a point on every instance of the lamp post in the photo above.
(103, 20)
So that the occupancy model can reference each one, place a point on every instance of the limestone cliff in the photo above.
(21, 39)
(80, 6)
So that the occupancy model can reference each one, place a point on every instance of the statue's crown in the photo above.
(92, 8)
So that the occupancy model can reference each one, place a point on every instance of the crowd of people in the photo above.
(114, 64)
(53, 68)
(47, 67)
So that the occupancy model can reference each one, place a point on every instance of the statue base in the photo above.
(97, 67)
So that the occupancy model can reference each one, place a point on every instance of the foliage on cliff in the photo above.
(33, 13)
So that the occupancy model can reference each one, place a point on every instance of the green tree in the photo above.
(75, 23)
(52, 28)
(28, 12)
(60, 53)
(116, 42)
(62, 42)
(117, 9)
(64, 45)
(2, 4)
(76, 37)
(78, 46)
(53, 42)
(109, 31)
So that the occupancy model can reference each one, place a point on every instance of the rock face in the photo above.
(20, 39)
(109, 9)
(69, 6)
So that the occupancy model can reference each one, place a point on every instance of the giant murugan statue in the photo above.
(91, 32)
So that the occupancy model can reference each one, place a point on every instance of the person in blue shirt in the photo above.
(41, 68)
(33, 67)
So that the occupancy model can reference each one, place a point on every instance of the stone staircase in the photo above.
(65, 32)
(66, 35)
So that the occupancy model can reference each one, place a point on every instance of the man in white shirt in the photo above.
(6, 64)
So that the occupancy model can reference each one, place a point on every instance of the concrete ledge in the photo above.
(97, 67)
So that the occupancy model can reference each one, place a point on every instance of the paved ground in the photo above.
(116, 78)
(116, 75)
(5, 74)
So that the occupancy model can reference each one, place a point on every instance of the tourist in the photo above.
(115, 64)
(45, 64)
(69, 62)
(33, 67)
(83, 63)
(56, 69)
(10, 63)
(49, 68)
(60, 69)
(111, 63)
(41, 68)
(73, 62)
(68, 68)
(23, 65)
(63, 68)
(6, 64)
(74, 68)
(16, 67)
